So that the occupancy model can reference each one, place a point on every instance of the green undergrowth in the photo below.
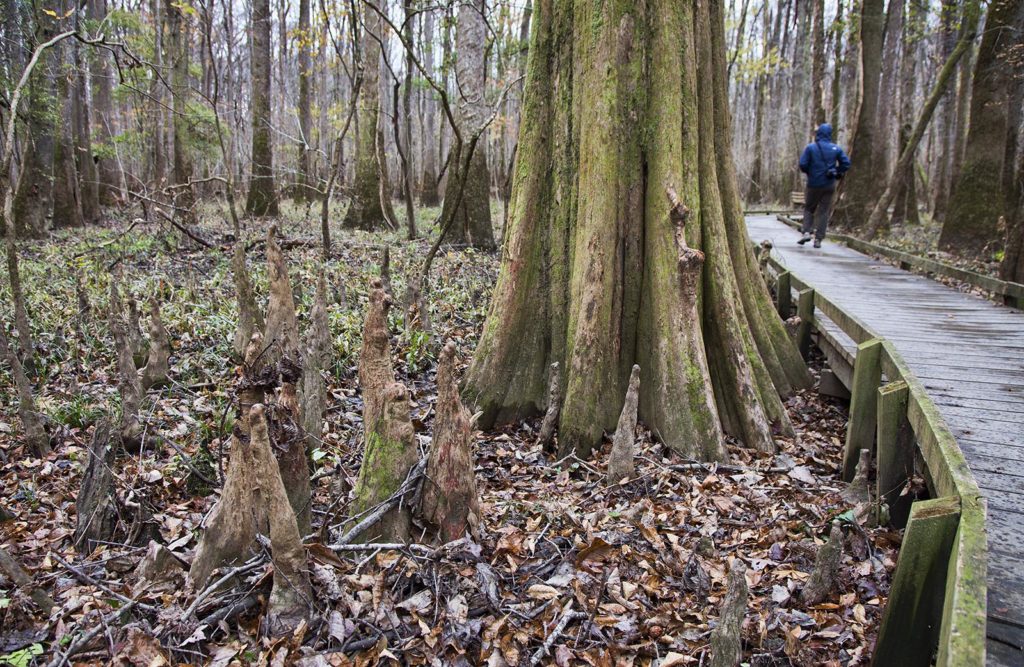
(76, 383)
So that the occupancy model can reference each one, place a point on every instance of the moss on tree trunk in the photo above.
(623, 103)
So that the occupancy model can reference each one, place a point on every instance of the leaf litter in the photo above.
(567, 571)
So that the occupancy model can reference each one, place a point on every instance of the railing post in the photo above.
(860, 431)
(912, 619)
(895, 443)
(805, 311)
(783, 295)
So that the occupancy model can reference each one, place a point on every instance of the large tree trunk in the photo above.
(262, 199)
(366, 211)
(177, 48)
(88, 183)
(857, 190)
(473, 216)
(978, 201)
(817, 107)
(156, 94)
(598, 273)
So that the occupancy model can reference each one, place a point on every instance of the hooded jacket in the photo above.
(820, 156)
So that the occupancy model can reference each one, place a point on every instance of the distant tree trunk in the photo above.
(941, 181)
(1012, 267)
(837, 70)
(156, 94)
(905, 210)
(963, 108)
(366, 211)
(597, 271)
(887, 134)
(817, 106)
(107, 169)
(978, 201)
(473, 216)
(88, 182)
(858, 189)
(178, 52)
(428, 184)
(406, 131)
(262, 198)
(303, 178)
(67, 198)
(34, 193)
(970, 27)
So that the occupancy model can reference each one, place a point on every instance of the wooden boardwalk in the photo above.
(969, 354)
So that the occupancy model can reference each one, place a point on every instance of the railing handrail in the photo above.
(1012, 293)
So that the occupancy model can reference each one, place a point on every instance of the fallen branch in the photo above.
(84, 640)
(567, 617)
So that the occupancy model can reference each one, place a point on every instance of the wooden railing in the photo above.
(1009, 293)
(937, 601)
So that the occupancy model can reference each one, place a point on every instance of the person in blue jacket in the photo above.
(824, 163)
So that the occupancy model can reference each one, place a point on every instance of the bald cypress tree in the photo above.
(626, 243)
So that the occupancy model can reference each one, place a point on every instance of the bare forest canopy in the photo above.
(348, 331)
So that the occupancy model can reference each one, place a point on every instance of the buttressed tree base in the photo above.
(605, 267)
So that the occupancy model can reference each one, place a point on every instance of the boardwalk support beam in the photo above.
(895, 443)
(910, 629)
(867, 375)
(805, 311)
(783, 295)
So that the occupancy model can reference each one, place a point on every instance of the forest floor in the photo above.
(638, 569)
(922, 239)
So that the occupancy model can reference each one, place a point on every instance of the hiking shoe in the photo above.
(804, 239)
(817, 243)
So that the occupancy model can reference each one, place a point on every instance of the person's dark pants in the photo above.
(817, 204)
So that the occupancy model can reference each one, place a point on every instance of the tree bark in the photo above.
(857, 190)
(472, 224)
(107, 169)
(178, 48)
(428, 182)
(262, 198)
(304, 179)
(598, 272)
(366, 210)
(67, 197)
(979, 199)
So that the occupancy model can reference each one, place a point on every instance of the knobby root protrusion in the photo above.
(826, 569)
(375, 371)
(250, 319)
(290, 444)
(417, 313)
(859, 492)
(96, 504)
(129, 386)
(450, 500)
(620, 462)
(792, 326)
(316, 360)
(727, 637)
(32, 422)
(547, 427)
(157, 364)
(385, 270)
(133, 328)
(389, 455)
(159, 567)
(291, 596)
(281, 333)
